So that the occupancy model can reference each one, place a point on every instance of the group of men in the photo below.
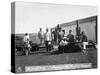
(71, 40)
(62, 40)
(45, 38)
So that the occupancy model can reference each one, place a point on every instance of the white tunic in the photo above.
(26, 38)
(47, 36)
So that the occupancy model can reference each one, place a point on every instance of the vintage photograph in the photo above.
(53, 37)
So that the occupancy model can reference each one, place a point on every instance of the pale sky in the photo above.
(29, 17)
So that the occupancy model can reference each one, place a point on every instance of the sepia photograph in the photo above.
(53, 37)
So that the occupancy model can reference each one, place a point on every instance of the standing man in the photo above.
(41, 36)
(47, 38)
(57, 34)
(84, 41)
(70, 37)
(61, 35)
(27, 43)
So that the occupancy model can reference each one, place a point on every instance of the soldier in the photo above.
(47, 38)
(41, 36)
(70, 37)
(84, 41)
(27, 43)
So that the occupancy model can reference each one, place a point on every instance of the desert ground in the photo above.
(42, 57)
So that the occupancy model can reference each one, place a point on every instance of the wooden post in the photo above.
(77, 28)
(96, 29)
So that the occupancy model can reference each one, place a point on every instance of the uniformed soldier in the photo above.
(47, 38)
(41, 36)
(70, 37)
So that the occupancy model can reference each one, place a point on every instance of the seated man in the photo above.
(65, 46)
(83, 42)
(70, 37)
(62, 44)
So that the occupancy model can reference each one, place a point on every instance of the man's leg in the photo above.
(80, 45)
(46, 45)
(85, 44)
(40, 41)
(84, 47)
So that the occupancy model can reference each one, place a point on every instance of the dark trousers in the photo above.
(47, 46)
(61, 49)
